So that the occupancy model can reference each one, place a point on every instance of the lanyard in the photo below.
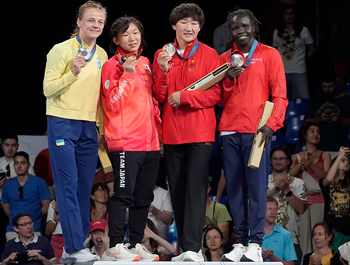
(193, 50)
(92, 52)
(251, 53)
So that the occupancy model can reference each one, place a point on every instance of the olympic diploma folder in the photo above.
(256, 151)
(210, 79)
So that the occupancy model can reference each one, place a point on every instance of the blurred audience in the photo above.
(323, 254)
(27, 247)
(54, 230)
(154, 243)
(278, 242)
(217, 215)
(99, 201)
(330, 109)
(336, 191)
(213, 244)
(25, 193)
(291, 39)
(161, 211)
(344, 251)
(102, 177)
(290, 193)
(99, 236)
(310, 165)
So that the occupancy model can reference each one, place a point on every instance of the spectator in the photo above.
(291, 39)
(336, 191)
(154, 243)
(278, 242)
(99, 236)
(218, 216)
(161, 211)
(26, 193)
(213, 243)
(102, 177)
(344, 251)
(27, 247)
(323, 255)
(330, 109)
(311, 165)
(290, 193)
(54, 230)
(99, 201)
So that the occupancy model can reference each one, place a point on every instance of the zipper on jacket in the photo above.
(149, 97)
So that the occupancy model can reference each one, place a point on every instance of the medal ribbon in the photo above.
(193, 50)
(92, 52)
(250, 55)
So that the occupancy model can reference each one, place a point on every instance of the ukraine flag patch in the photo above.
(60, 142)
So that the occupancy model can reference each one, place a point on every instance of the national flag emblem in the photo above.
(60, 142)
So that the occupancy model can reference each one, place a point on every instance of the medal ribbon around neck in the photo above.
(193, 50)
(92, 52)
(250, 55)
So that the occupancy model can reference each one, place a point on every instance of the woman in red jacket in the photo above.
(131, 120)
(188, 124)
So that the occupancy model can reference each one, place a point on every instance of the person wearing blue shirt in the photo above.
(278, 242)
(24, 194)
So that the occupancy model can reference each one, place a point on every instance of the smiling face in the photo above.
(242, 31)
(91, 24)
(313, 135)
(186, 31)
(130, 40)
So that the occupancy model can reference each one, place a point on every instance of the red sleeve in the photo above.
(117, 86)
(198, 99)
(277, 85)
(160, 81)
(227, 84)
(158, 119)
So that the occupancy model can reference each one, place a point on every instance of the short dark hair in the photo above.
(245, 12)
(303, 131)
(9, 136)
(120, 25)
(19, 216)
(327, 230)
(21, 153)
(185, 10)
(285, 150)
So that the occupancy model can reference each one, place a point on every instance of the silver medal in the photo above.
(237, 59)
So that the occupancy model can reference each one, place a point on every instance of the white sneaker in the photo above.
(78, 256)
(66, 258)
(236, 253)
(179, 258)
(253, 253)
(144, 254)
(121, 253)
(194, 256)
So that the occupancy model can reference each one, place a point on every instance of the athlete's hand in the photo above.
(163, 60)
(267, 133)
(175, 99)
(78, 63)
(129, 64)
(233, 72)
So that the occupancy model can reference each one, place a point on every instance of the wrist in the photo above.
(286, 190)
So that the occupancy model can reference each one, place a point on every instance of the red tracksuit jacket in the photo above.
(243, 98)
(131, 118)
(194, 121)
